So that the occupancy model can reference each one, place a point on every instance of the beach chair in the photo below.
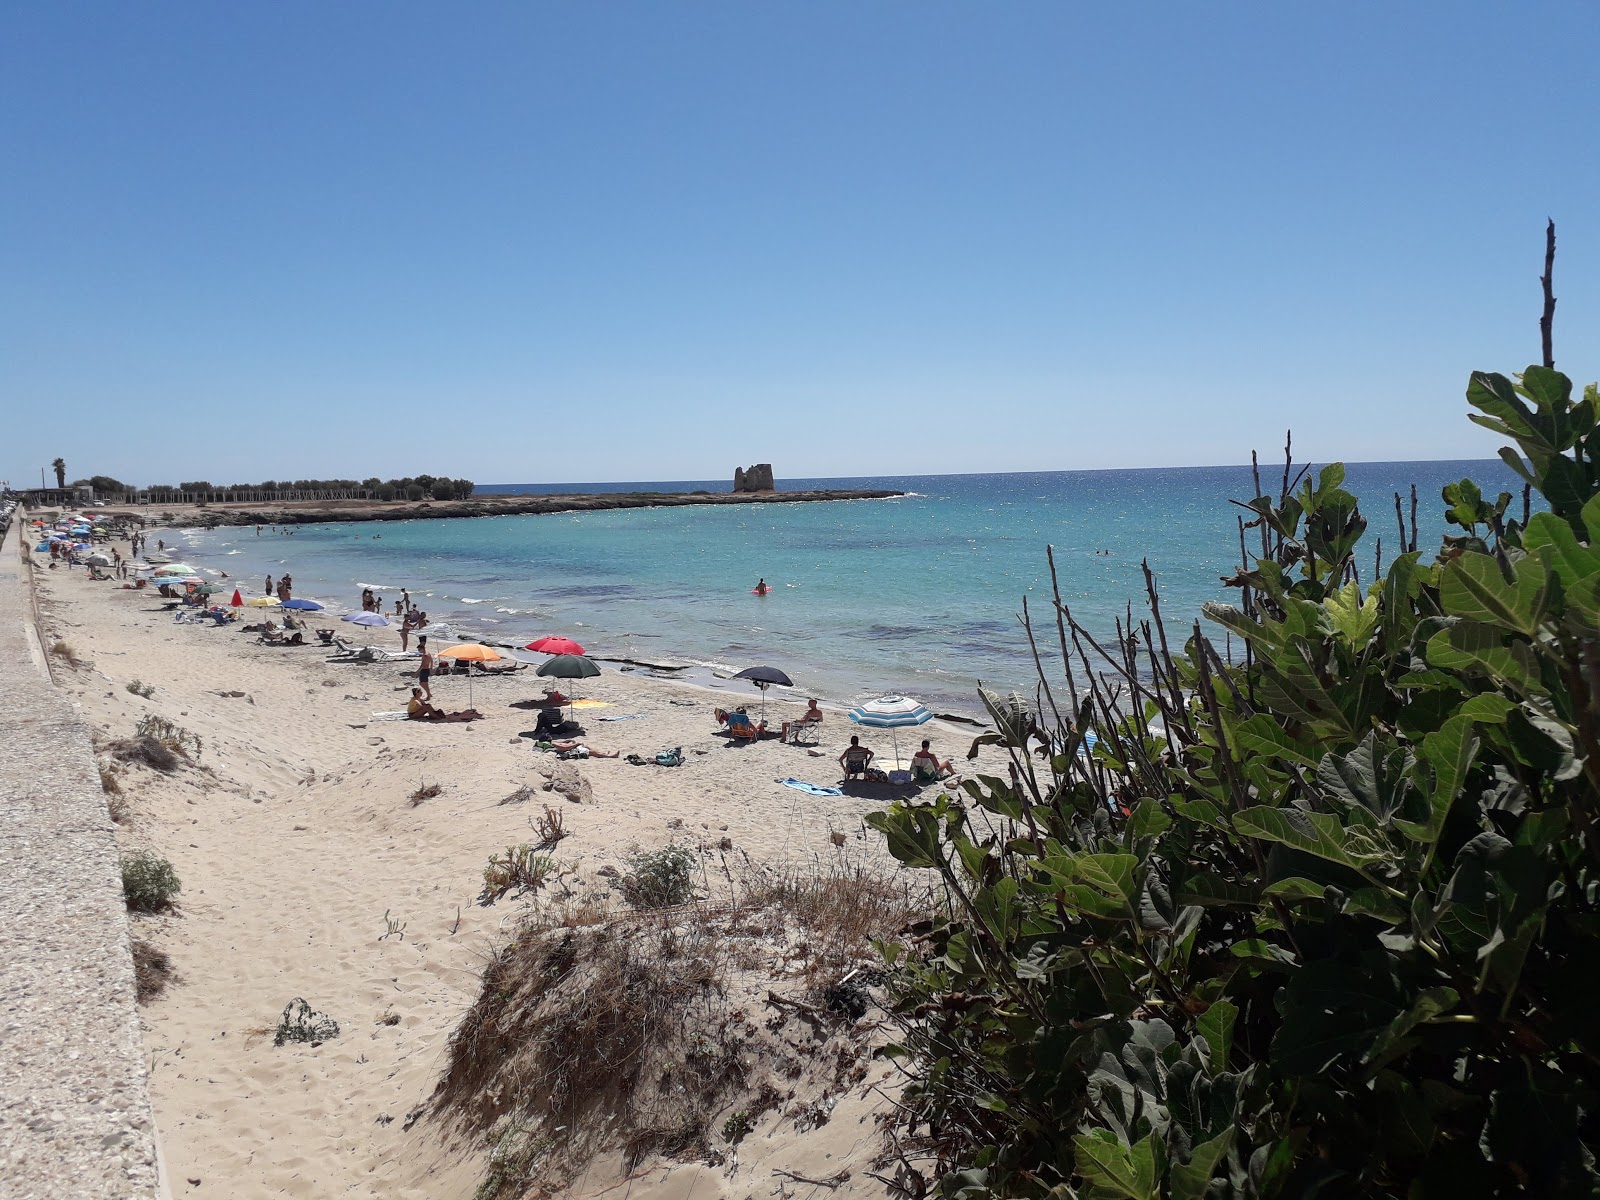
(805, 733)
(737, 725)
(855, 761)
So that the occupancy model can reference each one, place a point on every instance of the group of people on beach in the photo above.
(284, 589)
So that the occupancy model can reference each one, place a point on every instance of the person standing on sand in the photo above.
(269, 585)
(425, 669)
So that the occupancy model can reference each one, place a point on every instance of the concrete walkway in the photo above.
(75, 1117)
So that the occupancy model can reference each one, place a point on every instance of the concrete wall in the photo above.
(75, 1118)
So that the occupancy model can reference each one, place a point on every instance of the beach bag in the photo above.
(670, 758)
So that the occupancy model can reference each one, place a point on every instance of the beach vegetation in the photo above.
(139, 688)
(551, 826)
(658, 878)
(303, 1024)
(59, 466)
(515, 870)
(172, 736)
(640, 1031)
(1318, 913)
(147, 750)
(148, 882)
(63, 650)
(424, 791)
(152, 970)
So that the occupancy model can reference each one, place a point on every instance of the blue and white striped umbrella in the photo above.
(891, 713)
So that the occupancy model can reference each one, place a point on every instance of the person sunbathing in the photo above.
(925, 764)
(855, 759)
(811, 716)
(576, 749)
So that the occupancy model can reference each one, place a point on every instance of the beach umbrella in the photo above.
(555, 645)
(891, 713)
(303, 605)
(264, 601)
(471, 652)
(99, 560)
(763, 678)
(238, 600)
(364, 618)
(568, 666)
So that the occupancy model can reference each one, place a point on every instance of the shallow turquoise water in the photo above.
(918, 594)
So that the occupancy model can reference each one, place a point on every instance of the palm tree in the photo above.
(60, 468)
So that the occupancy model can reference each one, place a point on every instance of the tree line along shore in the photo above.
(309, 512)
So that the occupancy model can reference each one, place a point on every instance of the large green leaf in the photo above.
(1216, 1027)
(1571, 560)
(1099, 885)
(1316, 833)
(911, 833)
(1189, 1179)
(1469, 646)
(1390, 1044)
(1354, 615)
(1334, 1012)
(1474, 587)
(1262, 735)
(1113, 1171)
(1371, 775)
(1449, 752)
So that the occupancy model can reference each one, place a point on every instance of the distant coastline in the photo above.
(316, 512)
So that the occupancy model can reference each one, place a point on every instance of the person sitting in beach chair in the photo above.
(551, 725)
(737, 725)
(272, 636)
(927, 767)
(325, 636)
(805, 725)
(554, 696)
(856, 759)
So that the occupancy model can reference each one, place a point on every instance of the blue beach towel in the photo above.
(626, 717)
(810, 789)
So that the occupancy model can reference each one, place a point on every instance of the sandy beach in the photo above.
(299, 846)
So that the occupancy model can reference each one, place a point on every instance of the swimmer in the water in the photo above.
(761, 587)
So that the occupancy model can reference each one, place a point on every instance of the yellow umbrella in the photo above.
(470, 652)
(263, 602)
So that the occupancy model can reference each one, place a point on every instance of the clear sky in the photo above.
(552, 242)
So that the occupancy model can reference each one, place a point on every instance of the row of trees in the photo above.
(410, 487)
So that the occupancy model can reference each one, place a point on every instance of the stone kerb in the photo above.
(75, 1117)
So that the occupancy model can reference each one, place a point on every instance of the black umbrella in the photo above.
(569, 666)
(763, 678)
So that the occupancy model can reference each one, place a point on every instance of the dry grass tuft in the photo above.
(65, 653)
(601, 1029)
(521, 796)
(147, 750)
(152, 971)
(426, 791)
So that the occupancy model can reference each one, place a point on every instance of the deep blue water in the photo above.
(918, 594)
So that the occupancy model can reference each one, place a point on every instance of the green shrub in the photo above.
(1320, 916)
(657, 878)
(516, 869)
(148, 881)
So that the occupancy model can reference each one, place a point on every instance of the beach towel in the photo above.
(810, 789)
(625, 717)
(592, 704)
(390, 716)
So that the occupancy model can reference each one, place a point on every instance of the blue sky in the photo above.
(531, 242)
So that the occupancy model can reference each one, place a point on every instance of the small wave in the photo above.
(235, 551)
(480, 599)
(513, 611)
(377, 587)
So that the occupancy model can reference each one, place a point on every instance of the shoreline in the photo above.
(318, 512)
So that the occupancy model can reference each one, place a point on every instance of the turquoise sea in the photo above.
(917, 595)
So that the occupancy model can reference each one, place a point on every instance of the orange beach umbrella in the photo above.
(470, 652)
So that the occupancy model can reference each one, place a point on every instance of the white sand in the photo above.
(297, 835)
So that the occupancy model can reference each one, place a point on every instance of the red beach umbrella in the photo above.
(555, 645)
(238, 600)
